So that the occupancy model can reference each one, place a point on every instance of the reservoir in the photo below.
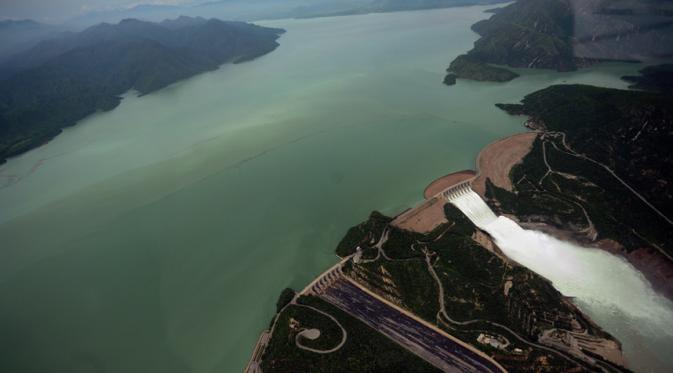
(157, 237)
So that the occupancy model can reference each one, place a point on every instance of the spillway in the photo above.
(606, 287)
(471, 204)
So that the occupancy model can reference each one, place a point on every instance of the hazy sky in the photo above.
(60, 10)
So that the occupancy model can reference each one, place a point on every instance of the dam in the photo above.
(604, 286)
(471, 204)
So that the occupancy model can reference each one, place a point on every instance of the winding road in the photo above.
(568, 150)
(344, 334)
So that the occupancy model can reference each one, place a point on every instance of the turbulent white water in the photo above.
(473, 207)
(605, 286)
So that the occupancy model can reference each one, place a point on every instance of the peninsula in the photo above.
(565, 35)
(445, 293)
(439, 281)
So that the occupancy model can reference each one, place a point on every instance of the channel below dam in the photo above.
(604, 286)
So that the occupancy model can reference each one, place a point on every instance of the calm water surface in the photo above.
(156, 237)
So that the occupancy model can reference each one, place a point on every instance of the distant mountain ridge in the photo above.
(184, 32)
(7, 23)
(384, 6)
(250, 10)
(62, 80)
(19, 35)
(239, 10)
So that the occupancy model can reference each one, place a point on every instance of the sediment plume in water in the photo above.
(606, 287)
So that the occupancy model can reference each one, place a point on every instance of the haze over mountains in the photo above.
(245, 10)
(19, 35)
(62, 80)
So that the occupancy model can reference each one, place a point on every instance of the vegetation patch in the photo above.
(284, 299)
(365, 234)
(467, 67)
(482, 292)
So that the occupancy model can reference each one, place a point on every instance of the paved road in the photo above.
(431, 345)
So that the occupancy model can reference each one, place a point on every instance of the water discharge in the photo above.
(604, 286)
(472, 206)
(156, 237)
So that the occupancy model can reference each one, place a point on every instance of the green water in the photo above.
(156, 237)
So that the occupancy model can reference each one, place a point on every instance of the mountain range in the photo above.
(62, 80)
(249, 10)
(19, 35)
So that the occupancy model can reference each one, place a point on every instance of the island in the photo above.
(60, 81)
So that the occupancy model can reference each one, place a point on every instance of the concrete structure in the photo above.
(457, 190)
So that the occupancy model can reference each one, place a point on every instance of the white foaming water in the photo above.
(605, 286)
(473, 207)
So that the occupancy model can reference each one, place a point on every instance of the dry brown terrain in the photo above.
(422, 218)
(656, 268)
(444, 182)
(498, 158)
